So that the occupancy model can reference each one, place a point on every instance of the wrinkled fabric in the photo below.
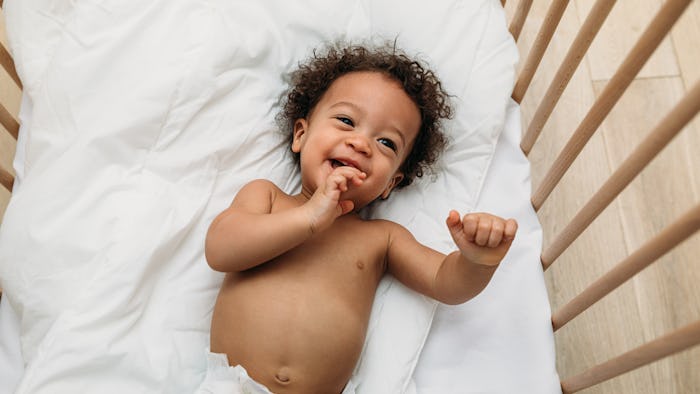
(140, 122)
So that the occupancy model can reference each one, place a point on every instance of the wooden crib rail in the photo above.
(657, 139)
(628, 70)
(669, 238)
(544, 36)
(644, 253)
(676, 341)
(9, 122)
(9, 65)
(6, 118)
(6, 179)
(516, 25)
(566, 70)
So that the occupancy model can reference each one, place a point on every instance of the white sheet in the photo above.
(501, 341)
(141, 122)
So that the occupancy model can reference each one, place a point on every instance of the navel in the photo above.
(360, 265)
(283, 376)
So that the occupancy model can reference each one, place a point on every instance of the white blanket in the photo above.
(142, 120)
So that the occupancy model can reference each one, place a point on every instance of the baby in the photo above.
(302, 269)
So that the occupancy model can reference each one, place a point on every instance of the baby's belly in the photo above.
(294, 333)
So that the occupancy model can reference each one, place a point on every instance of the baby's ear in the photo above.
(395, 180)
(300, 126)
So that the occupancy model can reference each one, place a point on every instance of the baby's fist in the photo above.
(481, 237)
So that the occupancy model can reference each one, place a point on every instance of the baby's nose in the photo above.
(359, 143)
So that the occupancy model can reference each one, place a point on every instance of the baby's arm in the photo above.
(250, 232)
(247, 233)
(482, 239)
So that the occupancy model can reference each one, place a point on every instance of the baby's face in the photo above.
(364, 120)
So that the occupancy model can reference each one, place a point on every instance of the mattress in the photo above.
(139, 124)
(501, 341)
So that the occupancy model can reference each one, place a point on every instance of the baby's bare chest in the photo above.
(347, 249)
(351, 252)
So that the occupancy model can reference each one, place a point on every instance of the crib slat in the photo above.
(9, 122)
(667, 239)
(673, 342)
(651, 38)
(6, 179)
(657, 139)
(544, 36)
(9, 65)
(645, 46)
(566, 70)
(516, 25)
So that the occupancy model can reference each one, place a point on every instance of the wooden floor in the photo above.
(664, 296)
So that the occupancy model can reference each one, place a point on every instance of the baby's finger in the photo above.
(470, 223)
(510, 230)
(336, 181)
(454, 225)
(351, 174)
(453, 221)
(346, 206)
(496, 236)
(358, 178)
(347, 171)
(483, 231)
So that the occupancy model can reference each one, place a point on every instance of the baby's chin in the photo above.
(362, 204)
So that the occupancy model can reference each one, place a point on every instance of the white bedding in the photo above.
(501, 341)
(139, 123)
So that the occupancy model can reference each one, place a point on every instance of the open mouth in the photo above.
(339, 163)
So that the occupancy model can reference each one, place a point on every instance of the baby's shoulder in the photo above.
(387, 227)
(261, 188)
(382, 223)
(259, 195)
(259, 185)
(396, 234)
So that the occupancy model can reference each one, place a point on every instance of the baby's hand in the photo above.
(325, 205)
(482, 238)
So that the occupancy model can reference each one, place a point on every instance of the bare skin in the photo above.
(302, 270)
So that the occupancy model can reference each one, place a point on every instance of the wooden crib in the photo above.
(613, 88)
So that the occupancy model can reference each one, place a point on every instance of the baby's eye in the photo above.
(345, 120)
(388, 143)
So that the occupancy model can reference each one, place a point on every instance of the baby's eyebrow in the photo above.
(347, 103)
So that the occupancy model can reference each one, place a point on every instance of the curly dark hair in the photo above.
(314, 77)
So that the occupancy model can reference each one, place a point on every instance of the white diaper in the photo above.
(222, 378)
